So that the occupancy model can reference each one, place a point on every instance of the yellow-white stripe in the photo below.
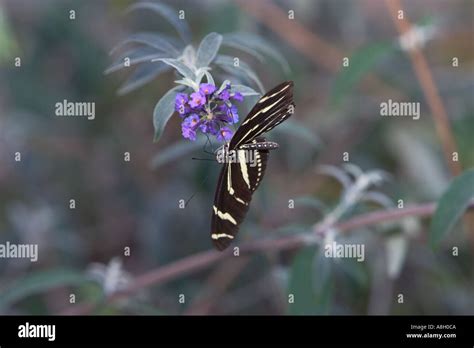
(240, 200)
(229, 180)
(221, 235)
(243, 167)
(263, 110)
(274, 94)
(230, 189)
(224, 216)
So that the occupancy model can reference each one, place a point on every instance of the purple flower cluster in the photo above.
(209, 111)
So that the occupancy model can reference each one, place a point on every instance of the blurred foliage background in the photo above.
(135, 204)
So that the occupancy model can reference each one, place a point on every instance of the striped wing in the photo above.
(272, 109)
(236, 184)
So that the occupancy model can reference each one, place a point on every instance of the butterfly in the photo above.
(245, 159)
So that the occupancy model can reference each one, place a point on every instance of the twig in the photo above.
(319, 51)
(430, 90)
(374, 218)
(205, 259)
(295, 34)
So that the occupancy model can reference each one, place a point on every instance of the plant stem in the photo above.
(307, 42)
(202, 260)
(429, 88)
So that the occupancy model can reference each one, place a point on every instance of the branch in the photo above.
(430, 90)
(205, 259)
(308, 43)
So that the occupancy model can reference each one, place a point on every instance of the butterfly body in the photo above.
(264, 145)
(244, 161)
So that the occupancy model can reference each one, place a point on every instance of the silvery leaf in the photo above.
(257, 43)
(168, 14)
(227, 64)
(199, 75)
(223, 85)
(136, 56)
(353, 169)
(244, 90)
(141, 76)
(378, 198)
(243, 48)
(164, 109)
(208, 49)
(161, 42)
(396, 248)
(182, 68)
(337, 173)
(189, 56)
(189, 83)
(209, 78)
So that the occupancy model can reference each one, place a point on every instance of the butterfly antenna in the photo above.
(208, 141)
(203, 159)
(194, 194)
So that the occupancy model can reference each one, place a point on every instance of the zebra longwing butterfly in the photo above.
(238, 179)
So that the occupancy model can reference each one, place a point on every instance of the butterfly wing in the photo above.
(272, 109)
(238, 181)
(236, 184)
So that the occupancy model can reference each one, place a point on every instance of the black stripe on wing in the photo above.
(272, 109)
(236, 184)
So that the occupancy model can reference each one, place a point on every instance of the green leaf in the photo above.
(8, 44)
(175, 151)
(355, 272)
(300, 285)
(452, 204)
(360, 63)
(182, 68)
(164, 109)
(167, 13)
(38, 282)
(322, 282)
(208, 49)
(310, 283)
